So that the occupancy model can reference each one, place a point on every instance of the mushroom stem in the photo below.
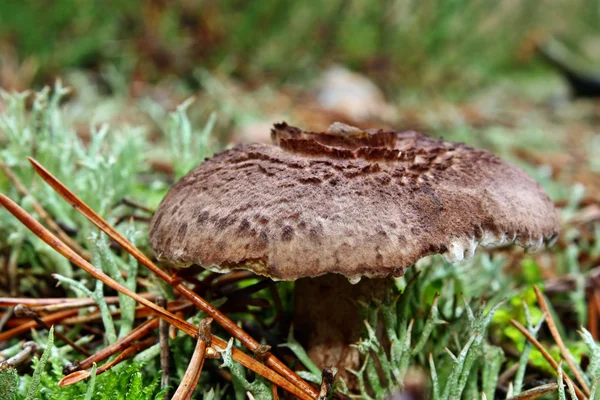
(327, 320)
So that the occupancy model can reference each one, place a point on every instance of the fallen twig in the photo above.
(128, 353)
(163, 337)
(24, 311)
(559, 342)
(136, 334)
(204, 305)
(44, 234)
(536, 392)
(192, 374)
(546, 355)
(20, 357)
(42, 212)
(48, 319)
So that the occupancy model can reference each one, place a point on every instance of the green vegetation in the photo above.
(433, 44)
(151, 88)
(459, 341)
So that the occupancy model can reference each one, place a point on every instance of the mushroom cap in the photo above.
(358, 203)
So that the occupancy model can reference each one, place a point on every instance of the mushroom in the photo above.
(328, 209)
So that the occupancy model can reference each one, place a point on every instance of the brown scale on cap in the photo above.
(350, 202)
(347, 201)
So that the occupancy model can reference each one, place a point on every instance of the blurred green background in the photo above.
(178, 80)
(433, 45)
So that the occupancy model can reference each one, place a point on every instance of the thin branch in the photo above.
(131, 217)
(140, 312)
(559, 342)
(42, 212)
(136, 334)
(192, 374)
(28, 349)
(13, 301)
(596, 299)
(5, 317)
(44, 234)
(204, 305)
(172, 329)
(545, 353)
(593, 312)
(24, 311)
(24, 327)
(128, 353)
(80, 303)
(48, 304)
(134, 204)
(163, 337)
(536, 392)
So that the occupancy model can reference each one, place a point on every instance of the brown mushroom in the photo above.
(327, 209)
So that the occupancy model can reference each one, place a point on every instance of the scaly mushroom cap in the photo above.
(358, 203)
